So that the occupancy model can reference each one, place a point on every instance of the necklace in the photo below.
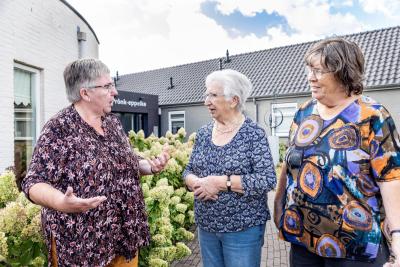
(229, 129)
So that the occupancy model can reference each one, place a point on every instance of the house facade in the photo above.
(278, 78)
(39, 38)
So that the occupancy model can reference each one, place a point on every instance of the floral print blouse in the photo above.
(247, 155)
(69, 152)
(333, 205)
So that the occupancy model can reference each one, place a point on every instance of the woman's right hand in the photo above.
(278, 211)
(206, 188)
(280, 196)
(70, 203)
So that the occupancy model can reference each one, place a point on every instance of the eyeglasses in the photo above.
(211, 95)
(108, 87)
(317, 73)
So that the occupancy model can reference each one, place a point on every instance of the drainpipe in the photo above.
(81, 36)
(256, 105)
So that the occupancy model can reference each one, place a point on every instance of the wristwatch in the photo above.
(228, 183)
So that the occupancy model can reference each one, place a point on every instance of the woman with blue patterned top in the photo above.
(340, 183)
(230, 171)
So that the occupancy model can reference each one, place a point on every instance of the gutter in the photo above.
(383, 87)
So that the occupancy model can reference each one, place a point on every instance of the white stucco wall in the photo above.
(41, 34)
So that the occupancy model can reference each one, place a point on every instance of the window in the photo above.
(26, 85)
(283, 115)
(134, 121)
(176, 120)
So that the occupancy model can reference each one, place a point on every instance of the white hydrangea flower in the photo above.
(169, 135)
(165, 212)
(159, 239)
(38, 262)
(132, 134)
(3, 246)
(8, 188)
(170, 253)
(166, 230)
(183, 234)
(182, 132)
(161, 193)
(182, 250)
(191, 216)
(162, 181)
(181, 207)
(163, 140)
(156, 149)
(140, 134)
(146, 190)
(157, 262)
(175, 200)
(180, 191)
(192, 137)
(188, 197)
(13, 218)
(180, 218)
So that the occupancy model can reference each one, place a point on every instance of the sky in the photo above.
(141, 35)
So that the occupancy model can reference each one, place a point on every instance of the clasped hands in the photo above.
(207, 188)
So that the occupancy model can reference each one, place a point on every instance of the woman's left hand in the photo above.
(206, 188)
(158, 164)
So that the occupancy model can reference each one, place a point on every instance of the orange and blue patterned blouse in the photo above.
(333, 203)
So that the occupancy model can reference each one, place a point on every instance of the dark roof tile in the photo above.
(277, 70)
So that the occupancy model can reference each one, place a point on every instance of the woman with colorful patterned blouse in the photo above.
(85, 175)
(231, 171)
(340, 183)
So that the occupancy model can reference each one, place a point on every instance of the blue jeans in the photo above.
(237, 249)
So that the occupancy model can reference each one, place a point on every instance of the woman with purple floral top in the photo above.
(86, 177)
(230, 171)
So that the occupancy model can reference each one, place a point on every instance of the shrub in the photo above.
(168, 204)
(21, 242)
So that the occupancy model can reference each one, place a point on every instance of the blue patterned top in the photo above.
(333, 205)
(247, 155)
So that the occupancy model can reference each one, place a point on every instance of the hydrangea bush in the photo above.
(21, 242)
(168, 204)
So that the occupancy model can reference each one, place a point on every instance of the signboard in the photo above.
(134, 102)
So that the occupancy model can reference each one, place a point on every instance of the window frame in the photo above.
(37, 103)
(171, 120)
(275, 106)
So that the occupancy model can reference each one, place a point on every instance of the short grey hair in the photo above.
(82, 73)
(234, 83)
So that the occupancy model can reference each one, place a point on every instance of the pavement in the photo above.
(274, 253)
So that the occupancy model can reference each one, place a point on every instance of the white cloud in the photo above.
(146, 34)
(306, 17)
(390, 8)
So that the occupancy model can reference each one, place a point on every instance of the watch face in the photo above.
(228, 183)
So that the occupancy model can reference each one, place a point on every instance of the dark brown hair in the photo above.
(342, 57)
